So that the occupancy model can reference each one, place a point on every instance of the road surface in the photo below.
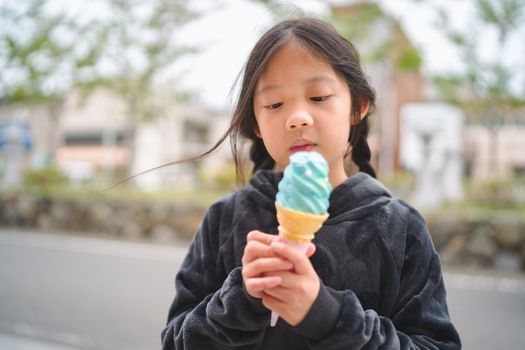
(70, 293)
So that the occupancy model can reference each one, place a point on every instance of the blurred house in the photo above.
(393, 66)
(86, 139)
(495, 153)
(185, 131)
(92, 135)
(42, 121)
(94, 140)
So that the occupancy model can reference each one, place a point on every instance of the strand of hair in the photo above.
(182, 161)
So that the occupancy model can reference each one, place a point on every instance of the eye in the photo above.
(319, 98)
(274, 106)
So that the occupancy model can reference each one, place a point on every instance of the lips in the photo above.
(302, 145)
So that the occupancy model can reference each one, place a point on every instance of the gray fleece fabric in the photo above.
(381, 281)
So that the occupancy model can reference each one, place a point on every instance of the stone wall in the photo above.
(482, 238)
(129, 220)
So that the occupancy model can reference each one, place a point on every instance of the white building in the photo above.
(94, 140)
(42, 119)
(496, 153)
(185, 132)
(85, 137)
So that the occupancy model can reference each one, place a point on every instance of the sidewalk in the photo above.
(13, 342)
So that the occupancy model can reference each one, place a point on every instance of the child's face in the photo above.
(301, 104)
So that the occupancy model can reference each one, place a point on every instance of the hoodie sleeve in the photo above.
(210, 310)
(420, 319)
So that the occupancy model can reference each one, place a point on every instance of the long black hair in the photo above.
(322, 40)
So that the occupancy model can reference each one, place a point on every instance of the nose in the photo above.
(299, 120)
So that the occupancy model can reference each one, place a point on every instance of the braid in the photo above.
(361, 154)
(260, 157)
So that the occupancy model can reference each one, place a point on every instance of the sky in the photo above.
(229, 28)
(227, 35)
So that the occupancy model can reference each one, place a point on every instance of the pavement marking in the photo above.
(94, 246)
(484, 283)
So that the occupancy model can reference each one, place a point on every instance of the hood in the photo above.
(356, 197)
(263, 188)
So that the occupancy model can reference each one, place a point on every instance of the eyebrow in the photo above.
(306, 82)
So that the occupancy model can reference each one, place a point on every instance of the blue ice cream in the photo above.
(305, 186)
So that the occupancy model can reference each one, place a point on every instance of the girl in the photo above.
(372, 278)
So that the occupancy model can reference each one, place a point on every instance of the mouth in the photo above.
(302, 145)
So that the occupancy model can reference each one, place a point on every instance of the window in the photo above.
(88, 138)
(195, 132)
(519, 172)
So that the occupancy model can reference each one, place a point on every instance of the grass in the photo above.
(478, 210)
(202, 197)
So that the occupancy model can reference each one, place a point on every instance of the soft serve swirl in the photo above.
(305, 186)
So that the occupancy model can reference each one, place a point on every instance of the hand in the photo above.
(258, 260)
(294, 296)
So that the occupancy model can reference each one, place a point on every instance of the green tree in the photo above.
(488, 89)
(34, 61)
(364, 24)
(140, 42)
(391, 58)
(128, 47)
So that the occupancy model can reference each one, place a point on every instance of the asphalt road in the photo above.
(70, 293)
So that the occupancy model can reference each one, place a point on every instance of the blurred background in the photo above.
(94, 92)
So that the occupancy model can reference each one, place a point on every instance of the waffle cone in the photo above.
(296, 226)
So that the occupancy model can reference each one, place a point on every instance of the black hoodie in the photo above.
(381, 282)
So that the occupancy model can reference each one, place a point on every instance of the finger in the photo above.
(274, 304)
(304, 288)
(289, 279)
(311, 250)
(301, 263)
(259, 236)
(279, 292)
(285, 303)
(254, 250)
(259, 284)
(265, 265)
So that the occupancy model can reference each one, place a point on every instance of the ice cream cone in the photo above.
(302, 202)
(298, 229)
(296, 226)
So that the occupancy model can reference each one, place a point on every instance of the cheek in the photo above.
(268, 125)
(338, 133)
(338, 126)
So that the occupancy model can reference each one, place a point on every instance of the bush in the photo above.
(44, 178)
(400, 183)
(497, 193)
(224, 178)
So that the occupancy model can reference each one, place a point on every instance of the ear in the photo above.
(363, 110)
(365, 106)
(257, 131)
